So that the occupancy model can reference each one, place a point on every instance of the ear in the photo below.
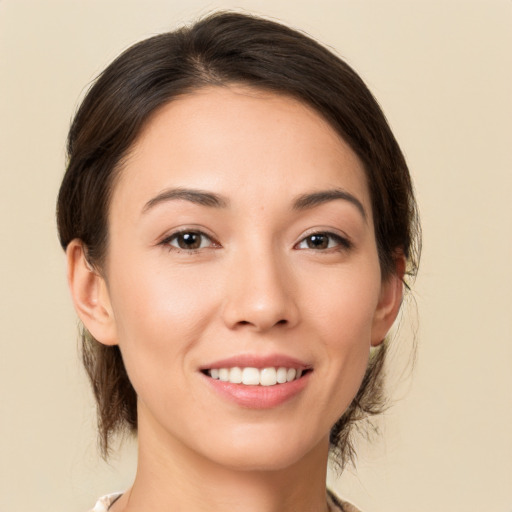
(390, 300)
(90, 295)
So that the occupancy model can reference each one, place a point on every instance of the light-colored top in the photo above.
(103, 504)
(335, 505)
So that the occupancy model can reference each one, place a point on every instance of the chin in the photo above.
(259, 462)
(260, 452)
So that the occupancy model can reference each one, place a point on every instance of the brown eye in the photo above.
(189, 240)
(322, 241)
(317, 241)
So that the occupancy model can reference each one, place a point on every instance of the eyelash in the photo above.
(175, 236)
(335, 242)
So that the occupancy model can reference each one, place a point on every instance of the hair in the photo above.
(222, 49)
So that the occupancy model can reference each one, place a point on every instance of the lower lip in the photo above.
(259, 397)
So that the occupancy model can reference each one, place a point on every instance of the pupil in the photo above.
(317, 242)
(189, 241)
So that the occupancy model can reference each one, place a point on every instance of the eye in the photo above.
(323, 241)
(188, 240)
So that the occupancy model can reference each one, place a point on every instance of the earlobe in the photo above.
(90, 295)
(390, 300)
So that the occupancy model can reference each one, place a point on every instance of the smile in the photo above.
(250, 376)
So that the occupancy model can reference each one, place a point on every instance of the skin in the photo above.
(256, 285)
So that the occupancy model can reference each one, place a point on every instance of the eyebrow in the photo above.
(199, 197)
(209, 199)
(306, 201)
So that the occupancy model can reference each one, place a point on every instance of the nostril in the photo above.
(283, 321)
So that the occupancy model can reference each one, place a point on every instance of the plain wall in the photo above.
(442, 73)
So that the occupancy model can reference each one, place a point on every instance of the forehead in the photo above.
(238, 140)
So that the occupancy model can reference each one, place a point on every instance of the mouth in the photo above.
(251, 376)
(255, 381)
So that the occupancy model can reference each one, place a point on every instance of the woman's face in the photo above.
(242, 247)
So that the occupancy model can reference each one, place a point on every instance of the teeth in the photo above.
(268, 377)
(281, 375)
(254, 376)
(235, 375)
(250, 376)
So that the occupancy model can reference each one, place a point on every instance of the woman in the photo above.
(238, 221)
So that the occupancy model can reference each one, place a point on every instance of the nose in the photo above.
(260, 293)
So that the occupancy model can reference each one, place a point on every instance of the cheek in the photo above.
(152, 296)
(343, 318)
(159, 319)
(343, 308)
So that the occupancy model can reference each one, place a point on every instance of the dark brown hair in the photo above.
(226, 48)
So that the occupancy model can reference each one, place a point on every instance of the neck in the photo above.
(172, 477)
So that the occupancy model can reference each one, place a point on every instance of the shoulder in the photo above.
(104, 503)
(337, 505)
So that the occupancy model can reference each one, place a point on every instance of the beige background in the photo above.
(442, 72)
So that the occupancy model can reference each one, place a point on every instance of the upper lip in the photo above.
(258, 361)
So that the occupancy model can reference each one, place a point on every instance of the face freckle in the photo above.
(230, 166)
